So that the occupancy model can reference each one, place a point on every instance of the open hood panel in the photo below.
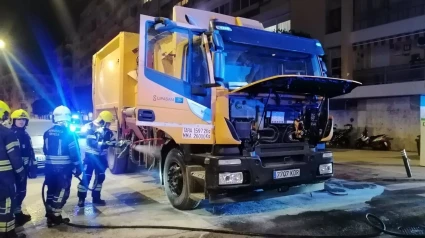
(301, 84)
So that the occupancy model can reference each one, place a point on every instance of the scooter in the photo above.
(378, 142)
(341, 138)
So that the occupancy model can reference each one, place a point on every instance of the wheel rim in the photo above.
(175, 179)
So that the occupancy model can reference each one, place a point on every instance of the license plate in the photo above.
(279, 174)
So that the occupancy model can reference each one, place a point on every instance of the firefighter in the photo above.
(20, 120)
(62, 157)
(11, 172)
(99, 138)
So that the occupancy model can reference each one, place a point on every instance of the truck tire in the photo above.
(175, 182)
(115, 164)
(131, 167)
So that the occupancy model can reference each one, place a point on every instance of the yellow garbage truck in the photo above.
(236, 112)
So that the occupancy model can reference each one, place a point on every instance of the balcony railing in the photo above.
(391, 74)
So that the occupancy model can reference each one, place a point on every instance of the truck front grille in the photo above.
(282, 160)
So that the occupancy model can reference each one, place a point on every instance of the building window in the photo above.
(333, 21)
(182, 2)
(334, 62)
(370, 13)
(133, 11)
(238, 5)
(223, 9)
(93, 25)
(282, 26)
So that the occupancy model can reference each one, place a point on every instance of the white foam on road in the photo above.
(403, 186)
(357, 193)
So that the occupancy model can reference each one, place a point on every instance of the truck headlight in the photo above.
(72, 128)
(325, 169)
(230, 178)
(327, 155)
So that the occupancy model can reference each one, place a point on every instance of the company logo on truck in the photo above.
(167, 99)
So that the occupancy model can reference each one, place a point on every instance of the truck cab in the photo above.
(241, 113)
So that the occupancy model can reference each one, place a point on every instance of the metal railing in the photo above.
(391, 74)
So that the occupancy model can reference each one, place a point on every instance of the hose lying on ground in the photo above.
(379, 229)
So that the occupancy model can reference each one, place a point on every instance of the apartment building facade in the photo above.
(380, 43)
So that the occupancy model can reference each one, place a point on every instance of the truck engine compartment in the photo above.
(277, 119)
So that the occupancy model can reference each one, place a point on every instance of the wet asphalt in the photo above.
(138, 199)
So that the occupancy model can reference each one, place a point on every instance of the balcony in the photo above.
(391, 74)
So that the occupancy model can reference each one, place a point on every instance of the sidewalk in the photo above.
(369, 165)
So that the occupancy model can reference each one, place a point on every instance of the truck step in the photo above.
(199, 175)
(197, 196)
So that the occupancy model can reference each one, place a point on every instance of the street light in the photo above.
(2, 44)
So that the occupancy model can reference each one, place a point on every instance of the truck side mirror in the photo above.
(219, 56)
(324, 68)
(219, 66)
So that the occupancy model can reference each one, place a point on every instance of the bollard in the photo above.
(406, 163)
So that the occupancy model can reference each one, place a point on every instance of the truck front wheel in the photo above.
(117, 161)
(176, 183)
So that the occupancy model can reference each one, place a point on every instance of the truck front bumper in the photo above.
(259, 180)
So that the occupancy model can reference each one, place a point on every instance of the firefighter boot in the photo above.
(21, 219)
(53, 220)
(13, 234)
(99, 202)
(81, 202)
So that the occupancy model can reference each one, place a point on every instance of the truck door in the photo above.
(175, 71)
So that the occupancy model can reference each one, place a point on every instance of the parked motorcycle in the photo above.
(378, 142)
(341, 138)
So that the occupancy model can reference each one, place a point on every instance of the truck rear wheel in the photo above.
(176, 183)
(131, 167)
(117, 161)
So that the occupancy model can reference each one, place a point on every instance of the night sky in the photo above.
(19, 19)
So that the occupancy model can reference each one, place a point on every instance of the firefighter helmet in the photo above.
(61, 114)
(20, 114)
(104, 117)
(4, 111)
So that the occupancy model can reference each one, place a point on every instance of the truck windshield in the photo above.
(245, 64)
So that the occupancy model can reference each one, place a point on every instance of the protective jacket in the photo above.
(98, 141)
(62, 156)
(27, 151)
(11, 171)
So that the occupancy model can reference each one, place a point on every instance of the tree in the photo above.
(41, 107)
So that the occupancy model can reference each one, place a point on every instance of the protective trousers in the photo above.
(21, 192)
(96, 164)
(58, 190)
(7, 203)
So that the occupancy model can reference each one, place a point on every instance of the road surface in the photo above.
(138, 199)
